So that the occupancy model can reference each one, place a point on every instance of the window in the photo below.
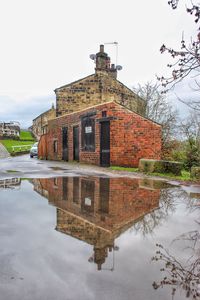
(104, 114)
(88, 134)
(55, 146)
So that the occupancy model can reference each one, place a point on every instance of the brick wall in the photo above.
(125, 202)
(112, 210)
(131, 136)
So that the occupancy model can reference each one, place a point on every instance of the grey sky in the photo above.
(46, 44)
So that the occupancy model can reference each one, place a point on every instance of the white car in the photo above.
(34, 150)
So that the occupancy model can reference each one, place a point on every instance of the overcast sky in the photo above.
(46, 44)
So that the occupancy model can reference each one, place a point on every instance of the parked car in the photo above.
(34, 150)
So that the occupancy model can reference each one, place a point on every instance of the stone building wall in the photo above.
(131, 136)
(95, 89)
(40, 123)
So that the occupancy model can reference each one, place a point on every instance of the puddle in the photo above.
(57, 168)
(95, 238)
(12, 171)
(10, 183)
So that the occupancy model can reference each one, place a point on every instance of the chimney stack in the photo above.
(103, 63)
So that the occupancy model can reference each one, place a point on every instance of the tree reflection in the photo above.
(181, 273)
(167, 205)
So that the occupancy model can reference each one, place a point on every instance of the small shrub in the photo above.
(195, 172)
(160, 166)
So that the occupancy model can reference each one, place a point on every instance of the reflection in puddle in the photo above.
(107, 224)
(10, 183)
(98, 210)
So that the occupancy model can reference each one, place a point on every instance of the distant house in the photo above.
(40, 122)
(9, 129)
(100, 121)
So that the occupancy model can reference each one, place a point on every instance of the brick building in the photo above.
(98, 210)
(100, 121)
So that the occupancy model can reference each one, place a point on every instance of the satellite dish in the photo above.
(92, 56)
(118, 68)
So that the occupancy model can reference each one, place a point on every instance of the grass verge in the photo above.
(22, 145)
(185, 175)
(26, 136)
(124, 169)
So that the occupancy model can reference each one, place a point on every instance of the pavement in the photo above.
(25, 167)
(3, 152)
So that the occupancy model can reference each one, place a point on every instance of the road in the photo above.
(3, 152)
(25, 167)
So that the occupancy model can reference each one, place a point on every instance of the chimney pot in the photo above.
(101, 48)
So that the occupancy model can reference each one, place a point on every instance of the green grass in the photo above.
(124, 169)
(26, 136)
(26, 139)
(9, 143)
(185, 175)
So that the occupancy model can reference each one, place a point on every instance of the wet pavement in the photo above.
(24, 166)
(68, 231)
(3, 152)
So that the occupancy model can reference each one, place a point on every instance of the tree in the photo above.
(186, 59)
(190, 129)
(158, 109)
(181, 272)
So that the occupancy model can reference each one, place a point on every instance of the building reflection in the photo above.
(98, 210)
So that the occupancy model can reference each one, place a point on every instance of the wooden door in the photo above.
(105, 144)
(76, 143)
(65, 143)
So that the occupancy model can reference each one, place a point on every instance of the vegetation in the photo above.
(158, 109)
(26, 136)
(186, 59)
(185, 175)
(124, 169)
(23, 144)
(10, 143)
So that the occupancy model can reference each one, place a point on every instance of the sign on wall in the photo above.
(88, 129)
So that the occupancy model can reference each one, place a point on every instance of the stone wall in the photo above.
(98, 88)
(131, 136)
(40, 122)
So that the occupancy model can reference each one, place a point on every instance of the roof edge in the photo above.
(73, 82)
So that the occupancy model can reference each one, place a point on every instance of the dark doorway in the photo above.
(104, 195)
(65, 188)
(87, 195)
(76, 190)
(105, 144)
(65, 143)
(76, 143)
